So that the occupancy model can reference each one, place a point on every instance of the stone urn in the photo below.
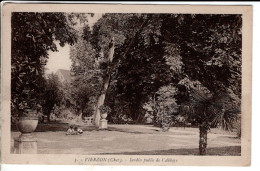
(27, 125)
(26, 143)
(104, 110)
(104, 115)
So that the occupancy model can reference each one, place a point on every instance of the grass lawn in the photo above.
(131, 140)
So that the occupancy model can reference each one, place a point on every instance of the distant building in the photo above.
(64, 75)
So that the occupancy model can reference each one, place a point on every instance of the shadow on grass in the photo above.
(145, 131)
(125, 130)
(216, 151)
(58, 126)
(54, 127)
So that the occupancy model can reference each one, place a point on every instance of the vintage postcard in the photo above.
(86, 84)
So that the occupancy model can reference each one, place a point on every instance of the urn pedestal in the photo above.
(103, 124)
(103, 121)
(26, 143)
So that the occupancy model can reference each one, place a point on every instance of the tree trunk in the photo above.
(49, 117)
(101, 101)
(203, 140)
(48, 113)
(102, 97)
(80, 114)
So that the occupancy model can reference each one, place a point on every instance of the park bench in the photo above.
(89, 120)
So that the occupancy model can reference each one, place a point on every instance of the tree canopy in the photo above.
(154, 50)
(33, 35)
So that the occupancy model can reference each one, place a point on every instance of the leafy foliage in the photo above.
(141, 68)
(33, 35)
(104, 109)
(211, 110)
(53, 94)
(168, 48)
(87, 76)
(164, 107)
(210, 47)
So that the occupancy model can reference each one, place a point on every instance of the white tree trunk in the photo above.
(110, 57)
(100, 102)
(80, 115)
(102, 97)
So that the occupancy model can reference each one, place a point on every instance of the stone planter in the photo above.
(104, 115)
(26, 143)
(103, 121)
(27, 124)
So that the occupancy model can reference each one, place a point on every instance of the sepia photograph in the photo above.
(132, 87)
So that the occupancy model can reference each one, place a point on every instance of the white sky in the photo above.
(61, 59)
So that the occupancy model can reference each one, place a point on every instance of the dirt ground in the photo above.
(131, 140)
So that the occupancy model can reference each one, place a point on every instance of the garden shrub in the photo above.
(163, 106)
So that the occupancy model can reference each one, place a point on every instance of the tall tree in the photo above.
(107, 28)
(87, 77)
(107, 77)
(52, 94)
(210, 48)
(138, 53)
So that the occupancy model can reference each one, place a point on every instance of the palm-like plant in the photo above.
(211, 110)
